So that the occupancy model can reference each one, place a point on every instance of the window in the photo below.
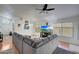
(56, 28)
(63, 29)
(67, 29)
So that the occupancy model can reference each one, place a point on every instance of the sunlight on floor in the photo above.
(6, 47)
(6, 44)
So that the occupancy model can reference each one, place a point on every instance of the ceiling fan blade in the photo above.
(50, 9)
(45, 6)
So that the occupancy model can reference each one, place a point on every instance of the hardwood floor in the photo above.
(6, 46)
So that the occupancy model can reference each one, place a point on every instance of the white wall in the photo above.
(21, 29)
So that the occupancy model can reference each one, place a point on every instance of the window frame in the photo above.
(61, 29)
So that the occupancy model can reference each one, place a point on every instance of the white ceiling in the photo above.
(25, 10)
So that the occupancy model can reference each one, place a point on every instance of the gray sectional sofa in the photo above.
(26, 45)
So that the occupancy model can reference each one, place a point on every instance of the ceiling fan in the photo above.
(45, 9)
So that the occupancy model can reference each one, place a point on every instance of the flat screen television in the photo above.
(44, 28)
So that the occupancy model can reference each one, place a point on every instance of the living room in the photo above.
(30, 20)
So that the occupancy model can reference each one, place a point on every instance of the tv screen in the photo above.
(44, 27)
